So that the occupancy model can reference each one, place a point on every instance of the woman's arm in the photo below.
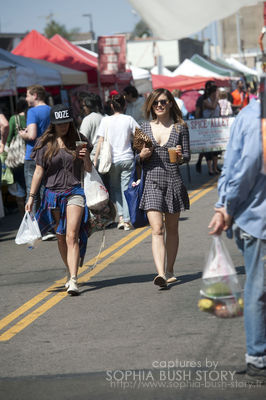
(87, 161)
(145, 153)
(4, 129)
(98, 150)
(35, 184)
(30, 133)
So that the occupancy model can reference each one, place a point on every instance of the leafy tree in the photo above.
(141, 30)
(53, 27)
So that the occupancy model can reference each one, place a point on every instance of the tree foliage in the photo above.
(53, 27)
(141, 30)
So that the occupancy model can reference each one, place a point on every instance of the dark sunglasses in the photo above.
(162, 102)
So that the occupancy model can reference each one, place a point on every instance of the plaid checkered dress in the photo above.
(164, 189)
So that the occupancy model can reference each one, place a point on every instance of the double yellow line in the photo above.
(123, 246)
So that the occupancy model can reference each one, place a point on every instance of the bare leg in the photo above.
(215, 162)
(172, 239)
(61, 239)
(158, 245)
(74, 216)
(210, 167)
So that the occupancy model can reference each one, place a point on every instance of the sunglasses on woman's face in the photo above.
(162, 102)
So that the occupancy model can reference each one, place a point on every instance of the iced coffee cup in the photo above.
(172, 154)
(81, 144)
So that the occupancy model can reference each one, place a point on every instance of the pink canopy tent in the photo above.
(183, 82)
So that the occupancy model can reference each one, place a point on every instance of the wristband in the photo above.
(32, 195)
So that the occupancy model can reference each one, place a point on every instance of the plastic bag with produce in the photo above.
(220, 288)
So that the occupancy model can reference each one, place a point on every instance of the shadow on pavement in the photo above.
(154, 384)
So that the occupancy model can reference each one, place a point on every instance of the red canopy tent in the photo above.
(35, 45)
(74, 51)
(183, 82)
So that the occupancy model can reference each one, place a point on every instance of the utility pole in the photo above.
(238, 36)
(91, 30)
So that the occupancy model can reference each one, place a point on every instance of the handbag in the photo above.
(96, 194)
(141, 139)
(17, 148)
(7, 174)
(106, 156)
(133, 194)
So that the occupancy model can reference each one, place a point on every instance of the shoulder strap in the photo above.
(17, 122)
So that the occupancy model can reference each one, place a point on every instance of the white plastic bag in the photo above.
(29, 230)
(105, 155)
(97, 195)
(219, 277)
(221, 293)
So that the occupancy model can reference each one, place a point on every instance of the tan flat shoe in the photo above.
(170, 278)
(160, 281)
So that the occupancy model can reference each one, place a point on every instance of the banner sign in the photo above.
(210, 134)
(112, 54)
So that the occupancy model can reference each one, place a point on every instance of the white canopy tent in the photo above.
(142, 79)
(165, 71)
(176, 19)
(92, 53)
(241, 67)
(189, 68)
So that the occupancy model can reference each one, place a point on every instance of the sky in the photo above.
(108, 16)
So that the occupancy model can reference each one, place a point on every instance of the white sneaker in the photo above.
(67, 281)
(73, 287)
(120, 224)
(49, 236)
(127, 226)
(170, 278)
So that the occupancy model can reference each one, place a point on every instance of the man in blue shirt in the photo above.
(38, 119)
(242, 200)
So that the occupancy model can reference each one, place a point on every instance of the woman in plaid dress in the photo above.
(164, 194)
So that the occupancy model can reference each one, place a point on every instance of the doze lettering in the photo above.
(61, 114)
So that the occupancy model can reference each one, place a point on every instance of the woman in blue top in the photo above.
(59, 163)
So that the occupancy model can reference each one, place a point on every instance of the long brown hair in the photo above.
(49, 139)
(175, 112)
(118, 102)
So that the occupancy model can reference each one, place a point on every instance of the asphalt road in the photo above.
(122, 338)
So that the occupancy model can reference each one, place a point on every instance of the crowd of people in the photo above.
(117, 119)
(49, 182)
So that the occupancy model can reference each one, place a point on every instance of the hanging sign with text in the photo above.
(210, 134)
(112, 54)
